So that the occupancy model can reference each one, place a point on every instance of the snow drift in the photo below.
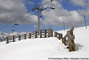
(44, 48)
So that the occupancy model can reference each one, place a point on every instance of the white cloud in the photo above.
(30, 2)
(15, 9)
(84, 4)
(79, 2)
(56, 17)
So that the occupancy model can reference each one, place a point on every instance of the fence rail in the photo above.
(58, 35)
(70, 40)
(48, 33)
(43, 34)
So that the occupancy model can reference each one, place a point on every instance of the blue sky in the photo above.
(26, 18)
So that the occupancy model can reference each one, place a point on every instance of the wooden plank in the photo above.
(36, 34)
(29, 35)
(55, 34)
(25, 36)
(32, 33)
(60, 36)
(40, 33)
(51, 32)
(7, 40)
(13, 38)
(19, 37)
(45, 33)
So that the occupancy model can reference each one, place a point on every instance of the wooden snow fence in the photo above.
(58, 35)
(68, 39)
(23, 36)
(44, 33)
(50, 32)
(33, 34)
(10, 39)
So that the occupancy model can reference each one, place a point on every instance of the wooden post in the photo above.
(24, 36)
(55, 34)
(71, 31)
(63, 40)
(13, 38)
(40, 33)
(51, 32)
(19, 37)
(70, 46)
(58, 36)
(7, 40)
(45, 33)
(48, 32)
(61, 36)
(71, 38)
(35, 34)
(73, 46)
(29, 35)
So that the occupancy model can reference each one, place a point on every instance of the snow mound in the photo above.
(43, 48)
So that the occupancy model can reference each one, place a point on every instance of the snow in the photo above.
(44, 48)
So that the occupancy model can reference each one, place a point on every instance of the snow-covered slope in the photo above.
(44, 48)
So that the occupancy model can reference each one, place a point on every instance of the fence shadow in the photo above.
(78, 47)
